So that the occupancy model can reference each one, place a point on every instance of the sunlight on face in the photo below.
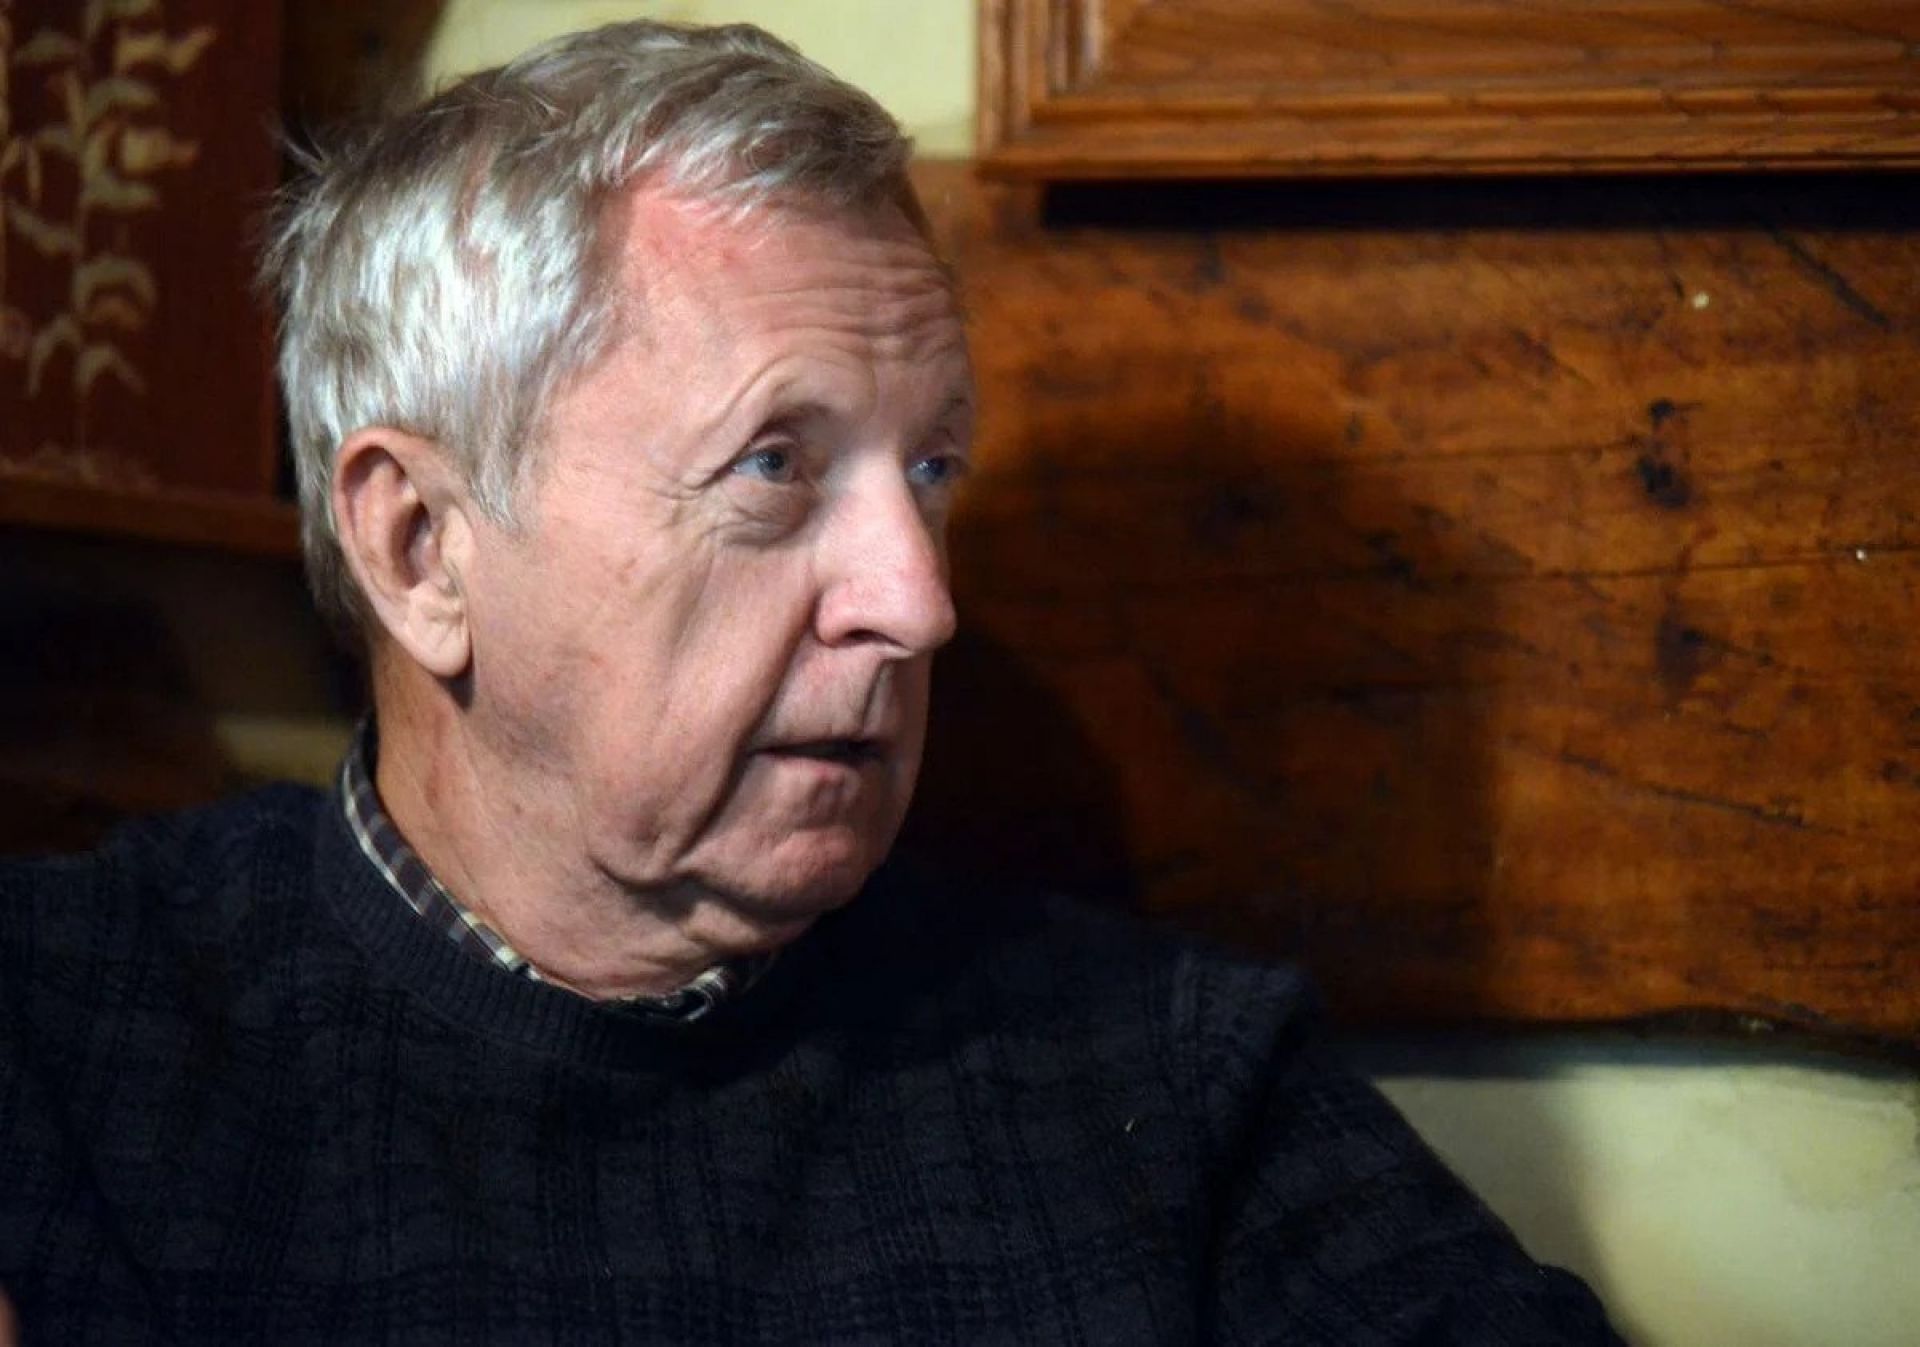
(708, 644)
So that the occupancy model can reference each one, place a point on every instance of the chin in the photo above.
(804, 874)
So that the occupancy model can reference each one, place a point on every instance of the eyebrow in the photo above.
(962, 401)
(959, 406)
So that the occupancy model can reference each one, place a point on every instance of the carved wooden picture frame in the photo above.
(1139, 88)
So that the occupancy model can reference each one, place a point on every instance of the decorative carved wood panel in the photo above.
(136, 157)
(1128, 88)
(1500, 596)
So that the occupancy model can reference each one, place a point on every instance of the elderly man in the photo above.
(629, 402)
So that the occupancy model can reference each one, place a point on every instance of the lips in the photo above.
(850, 752)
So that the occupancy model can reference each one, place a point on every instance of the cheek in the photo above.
(531, 679)
(728, 647)
(679, 692)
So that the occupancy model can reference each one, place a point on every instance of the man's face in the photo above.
(705, 650)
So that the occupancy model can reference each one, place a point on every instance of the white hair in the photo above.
(443, 273)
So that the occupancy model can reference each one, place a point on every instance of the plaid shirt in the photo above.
(381, 843)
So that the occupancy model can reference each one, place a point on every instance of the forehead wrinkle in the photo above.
(889, 327)
(882, 299)
(861, 342)
(747, 401)
(872, 284)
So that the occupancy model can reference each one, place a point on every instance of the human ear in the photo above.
(401, 511)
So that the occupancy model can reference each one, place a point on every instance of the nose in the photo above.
(886, 575)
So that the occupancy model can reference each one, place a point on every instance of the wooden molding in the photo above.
(1186, 88)
(229, 521)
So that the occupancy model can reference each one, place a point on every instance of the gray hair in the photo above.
(443, 274)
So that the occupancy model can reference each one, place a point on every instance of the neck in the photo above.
(523, 869)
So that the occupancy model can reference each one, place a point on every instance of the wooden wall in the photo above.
(1498, 595)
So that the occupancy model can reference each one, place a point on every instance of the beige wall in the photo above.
(915, 56)
(1712, 1197)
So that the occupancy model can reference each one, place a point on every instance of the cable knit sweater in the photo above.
(247, 1095)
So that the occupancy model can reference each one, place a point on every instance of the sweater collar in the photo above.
(413, 881)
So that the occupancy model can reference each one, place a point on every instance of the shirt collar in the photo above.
(407, 874)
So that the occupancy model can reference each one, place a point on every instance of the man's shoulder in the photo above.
(1025, 954)
(185, 865)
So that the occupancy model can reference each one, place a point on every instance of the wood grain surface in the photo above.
(1126, 88)
(1498, 594)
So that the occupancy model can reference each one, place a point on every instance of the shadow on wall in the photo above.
(97, 720)
(1461, 587)
(1711, 1192)
(1013, 788)
(126, 662)
(1216, 670)
(349, 58)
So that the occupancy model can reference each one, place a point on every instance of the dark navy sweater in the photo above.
(247, 1095)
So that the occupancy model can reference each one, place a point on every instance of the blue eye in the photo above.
(769, 465)
(937, 470)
